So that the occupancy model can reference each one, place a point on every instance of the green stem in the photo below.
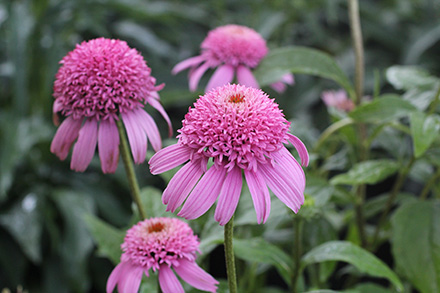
(332, 129)
(297, 252)
(356, 34)
(434, 103)
(229, 256)
(129, 169)
(434, 178)
(389, 204)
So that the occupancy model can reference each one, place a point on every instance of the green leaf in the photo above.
(385, 108)
(151, 199)
(409, 77)
(300, 60)
(107, 238)
(424, 129)
(368, 172)
(259, 250)
(345, 251)
(416, 243)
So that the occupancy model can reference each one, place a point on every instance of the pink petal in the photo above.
(285, 159)
(194, 76)
(168, 281)
(108, 145)
(150, 128)
(301, 148)
(114, 277)
(223, 75)
(136, 136)
(282, 186)
(194, 275)
(260, 194)
(154, 102)
(169, 158)
(229, 196)
(279, 86)
(204, 194)
(66, 134)
(181, 185)
(193, 61)
(245, 77)
(288, 78)
(84, 148)
(130, 279)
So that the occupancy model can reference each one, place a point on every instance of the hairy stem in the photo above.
(129, 169)
(434, 179)
(297, 252)
(229, 256)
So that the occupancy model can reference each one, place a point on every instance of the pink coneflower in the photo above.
(234, 49)
(243, 131)
(338, 99)
(160, 244)
(98, 82)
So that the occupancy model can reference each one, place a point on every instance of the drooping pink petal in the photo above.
(187, 63)
(301, 148)
(260, 194)
(181, 185)
(229, 196)
(169, 158)
(288, 78)
(114, 277)
(168, 280)
(150, 127)
(223, 75)
(194, 76)
(108, 145)
(136, 136)
(282, 186)
(66, 134)
(158, 106)
(279, 86)
(130, 278)
(285, 159)
(84, 148)
(194, 275)
(245, 77)
(204, 194)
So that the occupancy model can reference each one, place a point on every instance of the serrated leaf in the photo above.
(107, 238)
(385, 108)
(416, 243)
(345, 251)
(408, 77)
(300, 60)
(259, 250)
(368, 172)
(424, 129)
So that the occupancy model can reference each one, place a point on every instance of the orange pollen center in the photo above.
(237, 98)
(156, 227)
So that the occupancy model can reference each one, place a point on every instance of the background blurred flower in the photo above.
(338, 99)
(241, 129)
(161, 244)
(98, 81)
(234, 49)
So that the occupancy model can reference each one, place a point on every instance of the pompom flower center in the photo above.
(101, 78)
(234, 45)
(236, 126)
(159, 240)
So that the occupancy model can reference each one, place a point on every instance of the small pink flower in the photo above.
(160, 244)
(234, 49)
(338, 99)
(98, 82)
(241, 130)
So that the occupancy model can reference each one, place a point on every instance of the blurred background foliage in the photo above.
(46, 210)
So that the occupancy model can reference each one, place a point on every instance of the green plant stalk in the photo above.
(297, 253)
(434, 103)
(434, 178)
(230, 257)
(389, 204)
(356, 35)
(129, 169)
